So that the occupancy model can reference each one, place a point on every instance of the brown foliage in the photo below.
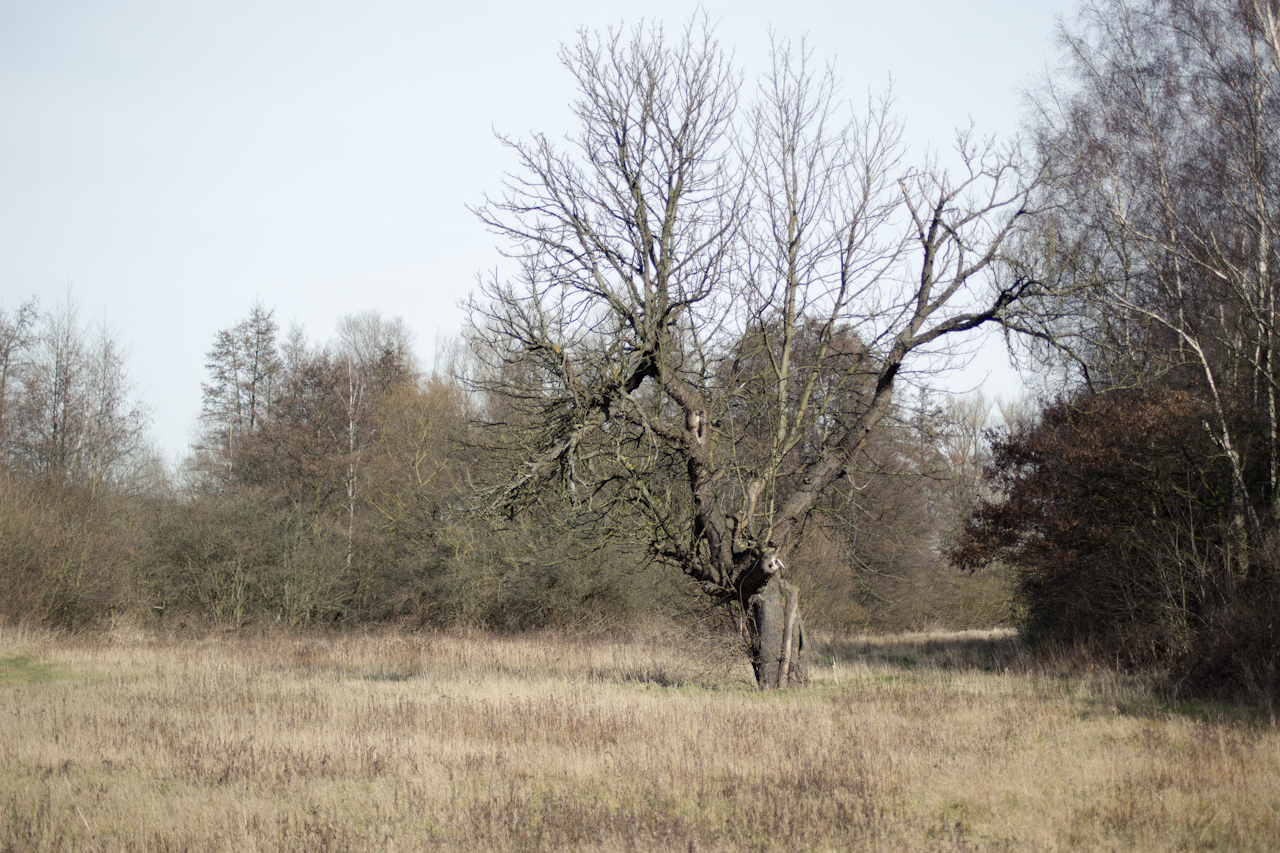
(1115, 513)
(67, 559)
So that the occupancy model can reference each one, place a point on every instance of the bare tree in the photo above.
(1165, 147)
(75, 418)
(710, 319)
(16, 337)
(244, 366)
(967, 422)
(376, 355)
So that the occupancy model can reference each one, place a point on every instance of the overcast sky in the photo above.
(174, 161)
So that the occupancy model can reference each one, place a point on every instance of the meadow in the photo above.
(654, 741)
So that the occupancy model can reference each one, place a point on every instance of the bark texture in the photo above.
(775, 633)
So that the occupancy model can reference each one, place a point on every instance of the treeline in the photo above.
(344, 484)
(1138, 509)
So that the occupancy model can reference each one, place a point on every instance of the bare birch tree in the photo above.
(1165, 142)
(375, 354)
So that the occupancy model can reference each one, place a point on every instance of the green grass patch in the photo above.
(20, 669)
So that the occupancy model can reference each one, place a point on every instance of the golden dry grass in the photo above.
(396, 741)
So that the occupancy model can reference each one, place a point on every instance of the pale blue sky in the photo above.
(176, 161)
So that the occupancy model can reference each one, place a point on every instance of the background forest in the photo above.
(336, 484)
(1129, 512)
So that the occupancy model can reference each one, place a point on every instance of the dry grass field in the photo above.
(394, 741)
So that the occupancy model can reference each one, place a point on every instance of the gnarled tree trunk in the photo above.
(775, 634)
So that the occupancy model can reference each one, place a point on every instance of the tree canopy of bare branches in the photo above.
(1162, 137)
(711, 297)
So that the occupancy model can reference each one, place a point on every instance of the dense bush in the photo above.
(67, 559)
(1118, 517)
(233, 559)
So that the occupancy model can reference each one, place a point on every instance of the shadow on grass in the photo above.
(387, 675)
(1098, 688)
(640, 675)
(994, 651)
